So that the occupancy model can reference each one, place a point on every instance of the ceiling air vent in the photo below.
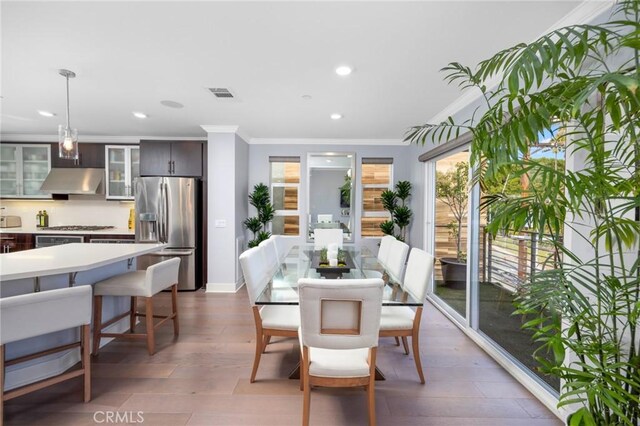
(221, 92)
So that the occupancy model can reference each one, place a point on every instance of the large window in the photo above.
(285, 192)
(377, 177)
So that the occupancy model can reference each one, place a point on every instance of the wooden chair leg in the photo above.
(97, 323)
(86, 361)
(1, 384)
(256, 358)
(151, 338)
(397, 341)
(405, 343)
(174, 304)
(416, 353)
(304, 370)
(132, 314)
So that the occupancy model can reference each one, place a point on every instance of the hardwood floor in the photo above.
(202, 378)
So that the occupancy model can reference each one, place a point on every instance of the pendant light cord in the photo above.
(68, 121)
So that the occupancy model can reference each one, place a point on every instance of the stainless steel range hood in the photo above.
(74, 181)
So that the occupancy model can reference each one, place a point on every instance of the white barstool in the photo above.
(36, 314)
(136, 284)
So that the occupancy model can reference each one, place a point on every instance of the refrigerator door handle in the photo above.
(166, 212)
(161, 213)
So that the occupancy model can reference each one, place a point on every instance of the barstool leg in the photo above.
(151, 338)
(86, 361)
(97, 323)
(132, 315)
(174, 303)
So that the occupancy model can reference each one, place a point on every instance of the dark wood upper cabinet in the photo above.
(89, 155)
(171, 158)
(155, 158)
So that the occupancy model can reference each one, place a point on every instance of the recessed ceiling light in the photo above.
(336, 116)
(46, 114)
(172, 104)
(306, 97)
(140, 115)
(344, 70)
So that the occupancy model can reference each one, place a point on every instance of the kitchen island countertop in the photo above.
(74, 257)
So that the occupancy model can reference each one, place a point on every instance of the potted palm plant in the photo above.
(259, 225)
(400, 212)
(584, 305)
(451, 189)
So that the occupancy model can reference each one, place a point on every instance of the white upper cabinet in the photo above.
(23, 168)
(122, 167)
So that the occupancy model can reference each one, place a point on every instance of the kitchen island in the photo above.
(55, 267)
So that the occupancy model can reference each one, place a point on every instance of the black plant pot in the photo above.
(454, 273)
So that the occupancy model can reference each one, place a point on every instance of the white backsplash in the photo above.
(78, 210)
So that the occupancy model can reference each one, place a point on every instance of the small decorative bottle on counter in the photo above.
(132, 219)
(45, 219)
(39, 219)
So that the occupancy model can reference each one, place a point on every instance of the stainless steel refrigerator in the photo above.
(166, 212)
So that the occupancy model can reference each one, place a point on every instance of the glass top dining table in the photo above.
(282, 289)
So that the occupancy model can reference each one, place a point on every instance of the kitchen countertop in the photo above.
(34, 230)
(74, 257)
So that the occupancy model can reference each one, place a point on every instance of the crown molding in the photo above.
(318, 141)
(18, 137)
(585, 12)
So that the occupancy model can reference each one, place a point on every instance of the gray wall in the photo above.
(403, 159)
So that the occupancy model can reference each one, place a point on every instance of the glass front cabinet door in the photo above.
(23, 168)
(123, 166)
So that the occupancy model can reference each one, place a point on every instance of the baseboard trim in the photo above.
(18, 376)
(224, 287)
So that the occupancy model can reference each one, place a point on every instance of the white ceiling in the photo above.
(129, 56)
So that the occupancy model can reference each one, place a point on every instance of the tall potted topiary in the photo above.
(400, 212)
(452, 190)
(259, 225)
(585, 304)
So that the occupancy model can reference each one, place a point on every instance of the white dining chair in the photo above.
(281, 246)
(36, 314)
(270, 320)
(385, 248)
(402, 321)
(156, 278)
(396, 259)
(270, 255)
(325, 218)
(323, 237)
(339, 327)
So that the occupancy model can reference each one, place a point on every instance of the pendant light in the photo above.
(67, 137)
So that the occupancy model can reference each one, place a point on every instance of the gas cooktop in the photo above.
(77, 228)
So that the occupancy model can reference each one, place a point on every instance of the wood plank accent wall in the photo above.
(291, 198)
(371, 199)
(371, 226)
(376, 174)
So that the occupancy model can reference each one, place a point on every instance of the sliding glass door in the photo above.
(447, 228)
(478, 278)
